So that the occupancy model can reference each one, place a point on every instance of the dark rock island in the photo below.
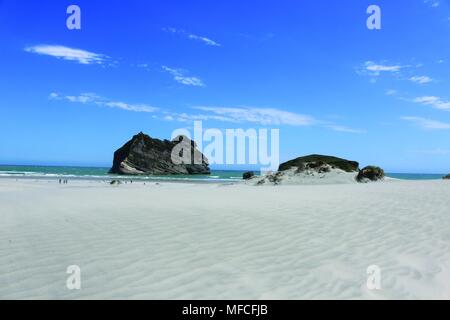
(143, 155)
(248, 175)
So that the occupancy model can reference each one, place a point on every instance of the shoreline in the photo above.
(136, 180)
(189, 179)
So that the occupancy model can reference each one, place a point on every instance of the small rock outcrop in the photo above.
(248, 175)
(312, 169)
(370, 173)
(447, 177)
(320, 169)
(143, 155)
(272, 178)
(320, 162)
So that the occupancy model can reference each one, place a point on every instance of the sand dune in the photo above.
(187, 241)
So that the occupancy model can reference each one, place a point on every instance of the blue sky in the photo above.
(310, 68)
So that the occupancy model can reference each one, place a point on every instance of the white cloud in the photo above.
(83, 98)
(266, 116)
(92, 98)
(130, 107)
(391, 92)
(435, 102)
(179, 76)
(426, 99)
(53, 96)
(421, 79)
(259, 116)
(340, 128)
(204, 39)
(66, 53)
(184, 117)
(192, 36)
(427, 123)
(433, 3)
(169, 118)
(263, 116)
(375, 69)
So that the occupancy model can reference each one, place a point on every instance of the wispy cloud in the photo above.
(203, 39)
(435, 102)
(178, 75)
(71, 54)
(268, 117)
(262, 116)
(92, 98)
(340, 128)
(428, 124)
(253, 115)
(391, 92)
(433, 3)
(192, 36)
(184, 117)
(375, 69)
(421, 79)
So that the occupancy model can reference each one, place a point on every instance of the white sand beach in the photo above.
(211, 241)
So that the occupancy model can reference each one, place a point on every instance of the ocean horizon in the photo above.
(102, 173)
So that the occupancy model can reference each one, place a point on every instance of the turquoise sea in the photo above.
(40, 172)
(101, 173)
